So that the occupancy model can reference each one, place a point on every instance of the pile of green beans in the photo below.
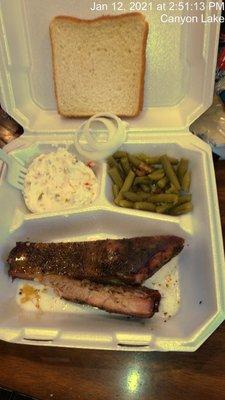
(159, 184)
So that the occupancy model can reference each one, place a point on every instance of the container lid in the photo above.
(181, 60)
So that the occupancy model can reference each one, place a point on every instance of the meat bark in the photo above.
(129, 261)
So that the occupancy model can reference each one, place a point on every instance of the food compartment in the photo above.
(86, 226)
(173, 150)
(27, 151)
(27, 76)
(189, 277)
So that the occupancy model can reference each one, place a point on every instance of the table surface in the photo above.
(67, 374)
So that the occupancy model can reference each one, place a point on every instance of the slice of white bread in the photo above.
(99, 65)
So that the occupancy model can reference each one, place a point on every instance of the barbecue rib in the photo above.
(130, 261)
(127, 300)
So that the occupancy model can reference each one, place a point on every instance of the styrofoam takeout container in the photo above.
(179, 85)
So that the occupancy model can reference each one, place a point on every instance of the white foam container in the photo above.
(179, 86)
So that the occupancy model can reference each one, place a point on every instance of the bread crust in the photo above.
(92, 21)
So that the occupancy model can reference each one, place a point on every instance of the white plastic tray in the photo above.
(179, 86)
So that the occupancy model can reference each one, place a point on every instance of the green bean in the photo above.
(181, 209)
(163, 208)
(156, 175)
(120, 154)
(184, 199)
(148, 160)
(139, 196)
(146, 188)
(112, 162)
(186, 181)
(152, 198)
(126, 204)
(163, 198)
(115, 190)
(162, 182)
(141, 180)
(125, 165)
(169, 171)
(182, 169)
(134, 160)
(115, 176)
(144, 205)
(126, 186)
(171, 189)
(155, 159)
